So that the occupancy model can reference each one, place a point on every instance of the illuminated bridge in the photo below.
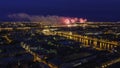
(99, 44)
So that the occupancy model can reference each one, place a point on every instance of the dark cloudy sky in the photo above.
(94, 10)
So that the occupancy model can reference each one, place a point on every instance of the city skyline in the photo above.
(59, 34)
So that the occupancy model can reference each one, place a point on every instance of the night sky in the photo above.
(93, 10)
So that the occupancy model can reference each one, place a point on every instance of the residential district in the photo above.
(78, 45)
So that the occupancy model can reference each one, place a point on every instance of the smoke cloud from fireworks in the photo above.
(49, 20)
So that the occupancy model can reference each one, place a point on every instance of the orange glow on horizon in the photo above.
(67, 20)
